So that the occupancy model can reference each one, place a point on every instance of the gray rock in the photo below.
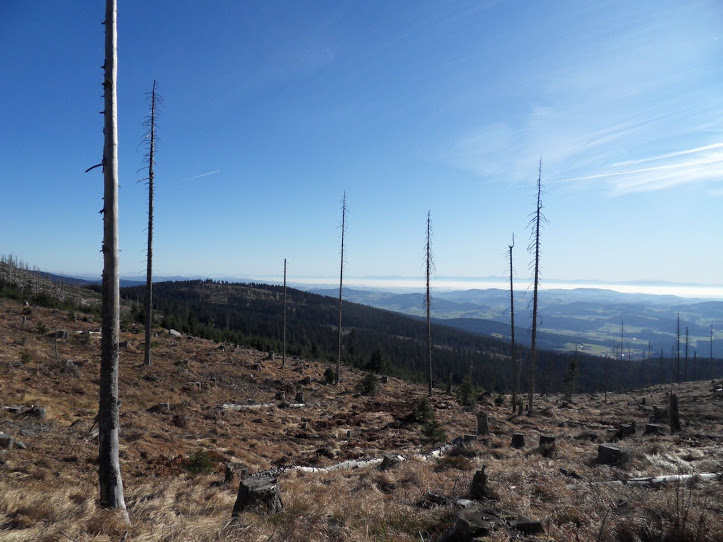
(174, 333)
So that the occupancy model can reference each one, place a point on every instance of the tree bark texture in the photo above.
(111, 486)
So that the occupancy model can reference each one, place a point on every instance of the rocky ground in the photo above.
(187, 416)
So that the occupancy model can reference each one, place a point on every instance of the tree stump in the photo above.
(674, 414)
(626, 430)
(478, 490)
(519, 409)
(653, 429)
(299, 397)
(609, 454)
(483, 427)
(547, 440)
(235, 470)
(659, 413)
(258, 494)
(518, 440)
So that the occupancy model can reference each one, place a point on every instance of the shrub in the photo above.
(41, 327)
(433, 433)
(368, 385)
(500, 400)
(199, 462)
(26, 357)
(423, 411)
(329, 375)
(467, 393)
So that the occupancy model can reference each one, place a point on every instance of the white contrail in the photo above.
(202, 175)
(631, 172)
(671, 155)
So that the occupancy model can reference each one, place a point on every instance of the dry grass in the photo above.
(48, 492)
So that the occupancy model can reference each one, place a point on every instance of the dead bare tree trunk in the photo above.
(151, 122)
(429, 264)
(513, 346)
(341, 281)
(536, 222)
(677, 355)
(283, 356)
(685, 374)
(111, 485)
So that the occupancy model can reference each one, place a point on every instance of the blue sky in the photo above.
(274, 109)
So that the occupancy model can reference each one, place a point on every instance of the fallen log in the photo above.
(657, 481)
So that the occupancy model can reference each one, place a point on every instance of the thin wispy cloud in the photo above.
(635, 171)
(202, 175)
(671, 155)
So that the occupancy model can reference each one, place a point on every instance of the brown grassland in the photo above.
(176, 440)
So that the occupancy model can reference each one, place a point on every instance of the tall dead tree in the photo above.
(513, 346)
(150, 123)
(536, 222)
(283, 355)
(341, 281)
(429, 265)
(677, 355)
(111, 485)
(685, 374)
(695, 358)
(711, 342)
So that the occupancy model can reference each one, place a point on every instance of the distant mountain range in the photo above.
(590, 318)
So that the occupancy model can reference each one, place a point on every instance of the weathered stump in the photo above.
(258, 494)
(299, 397)
(389, 462)
(483, 427)
(610, 454)
(626, 430)
(519, 409)
(674, 414)
(471, 523)
(547, 440)
(235, 471)
(478, 489)
(518, 440)
(653, 429)
(660, 413)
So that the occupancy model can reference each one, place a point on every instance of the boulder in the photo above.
(258, 494)
(174, 333)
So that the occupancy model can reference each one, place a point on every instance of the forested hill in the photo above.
(375, 339)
